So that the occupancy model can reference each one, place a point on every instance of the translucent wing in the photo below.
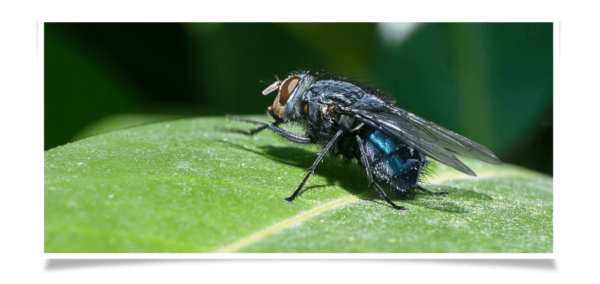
(425, 136)
(448, 139)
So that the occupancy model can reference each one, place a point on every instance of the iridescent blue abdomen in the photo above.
(392, 162)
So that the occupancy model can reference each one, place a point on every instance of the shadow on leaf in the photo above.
(352, 178)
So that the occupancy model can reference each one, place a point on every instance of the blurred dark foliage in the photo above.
(490, 82)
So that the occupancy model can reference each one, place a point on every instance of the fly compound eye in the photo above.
(287, 88)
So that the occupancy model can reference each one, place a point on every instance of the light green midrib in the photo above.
(233, 247)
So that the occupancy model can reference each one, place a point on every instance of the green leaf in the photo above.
(182, 186)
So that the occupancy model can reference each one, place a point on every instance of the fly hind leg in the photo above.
(431, 192)
(365, 162)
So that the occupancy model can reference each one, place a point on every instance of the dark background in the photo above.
(489, 82)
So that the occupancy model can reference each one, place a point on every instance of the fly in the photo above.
(391, 145)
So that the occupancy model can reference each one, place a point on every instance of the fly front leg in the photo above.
(273, 127)
(365, 162)
(312, 168)
(251, 132)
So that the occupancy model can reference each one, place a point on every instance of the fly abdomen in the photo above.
(392, 162)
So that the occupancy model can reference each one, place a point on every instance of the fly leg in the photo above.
(431, 192)
(273, 127)
(365, 162)
(253, 131)
(311, 170)
(249, 133)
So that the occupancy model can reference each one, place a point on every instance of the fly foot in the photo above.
(401, 208)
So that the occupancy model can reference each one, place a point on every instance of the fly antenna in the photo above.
(272, 88)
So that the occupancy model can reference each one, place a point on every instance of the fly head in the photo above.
(287, 103)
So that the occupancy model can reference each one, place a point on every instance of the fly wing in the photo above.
(411, 135)
(450, 140)
(427, 137)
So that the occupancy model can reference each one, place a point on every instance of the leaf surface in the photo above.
(182, 186)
